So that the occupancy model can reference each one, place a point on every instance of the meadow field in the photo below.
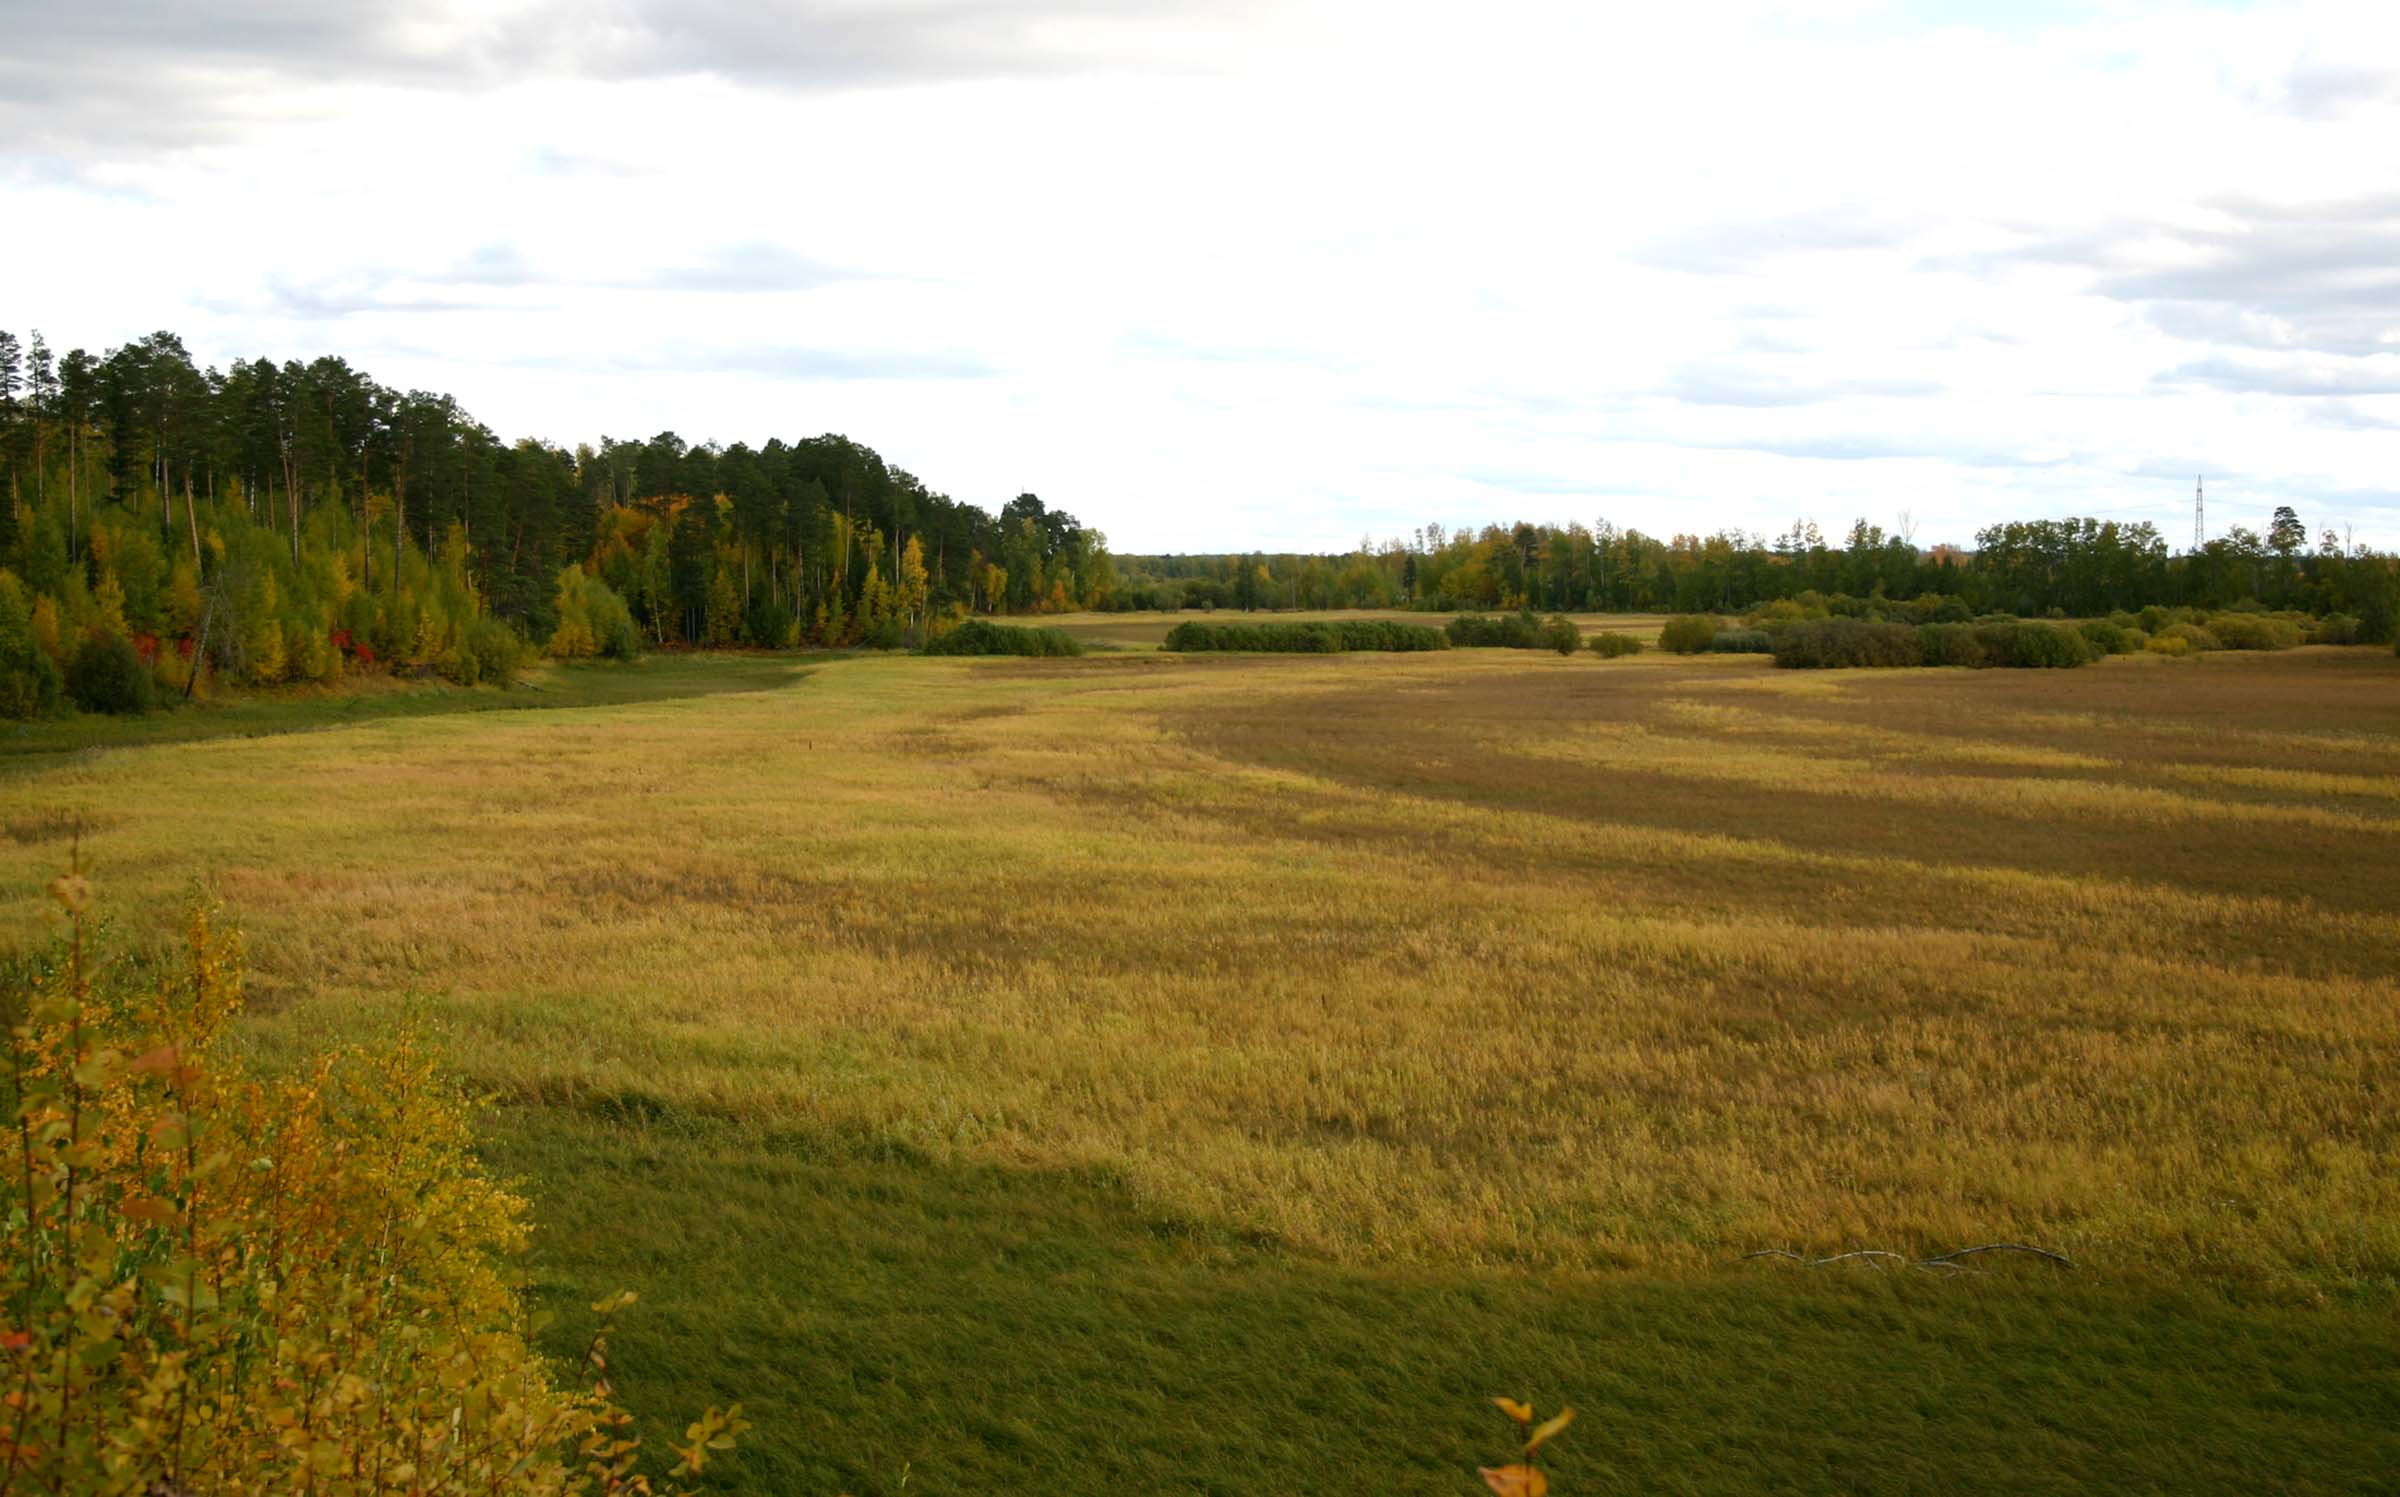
(1148, 1073)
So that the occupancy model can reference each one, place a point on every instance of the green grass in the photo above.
(900, 1324)
(301, 709)
(1139, 1073)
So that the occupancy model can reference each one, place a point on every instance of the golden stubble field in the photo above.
(1476, 957)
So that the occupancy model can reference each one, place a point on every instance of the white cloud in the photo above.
(1212, 277)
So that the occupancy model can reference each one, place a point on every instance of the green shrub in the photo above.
(29, 681)
(1690, 633)
(2105, 636)
(1742, 642)
(983, 637)
(497, 651)
(1823, 644)
(592, 620)
(107, 675)
(2169, 643)
(1194, 636)
(1560, 634)
(2335, 629)
(1610, 645)
(1510, 632)
(2254, 631)
(2196, 640)
(1951, 644)
(2032, 646)
(2136, 641)
(1389, 635)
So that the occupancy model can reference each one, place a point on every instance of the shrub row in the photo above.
(1836, 643)
(983, 637)
(1610, 645)
(1331, 638)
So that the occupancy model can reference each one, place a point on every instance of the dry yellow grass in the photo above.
(1467, 957)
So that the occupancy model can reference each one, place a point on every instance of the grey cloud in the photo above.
(102, 77)
(2287, 376)
(746, 267)
(1746, 385)
(497, 268)
(2321, 277)
(341, 296)
(2348, 415)
(1747, 244)
(2318, 89)
(780, 361)
(1864, 447)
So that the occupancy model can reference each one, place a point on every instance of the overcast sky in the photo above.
(1227, 274)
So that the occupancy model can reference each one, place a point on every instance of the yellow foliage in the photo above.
(108, 604)
(213, 1282)
(1523, 1478)
(46, 630)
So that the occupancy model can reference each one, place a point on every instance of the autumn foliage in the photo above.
(217, 1282)
(1523, 1476)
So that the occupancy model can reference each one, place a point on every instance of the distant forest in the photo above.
(277, 506)
(271, 522)
(2077, 567)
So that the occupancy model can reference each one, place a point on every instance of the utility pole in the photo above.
(2199, 517)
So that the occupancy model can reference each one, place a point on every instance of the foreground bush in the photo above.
(983, 637)
(108, 675)
(213, 1283)
(1689, 633)
(1610, 645)
(1195, 637)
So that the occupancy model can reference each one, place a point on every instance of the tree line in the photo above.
(2072, 567)
(275, 521)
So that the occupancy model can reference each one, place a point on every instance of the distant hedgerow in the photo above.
(983, 637)
(1742, 642)
(1327, 638)
(1825, 644)
(1509, 631)
(1609, 644)
(1836, 643)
